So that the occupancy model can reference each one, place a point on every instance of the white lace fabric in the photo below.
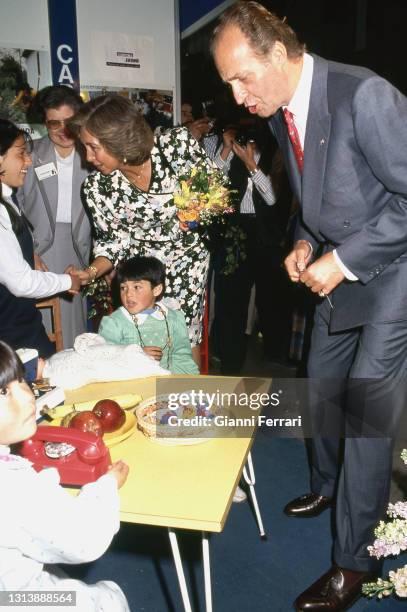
(94, 360)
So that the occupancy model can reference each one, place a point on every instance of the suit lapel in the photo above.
(316, 146)
(49, 186)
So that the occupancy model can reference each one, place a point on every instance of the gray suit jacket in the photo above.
(353, 190)
(39, 200)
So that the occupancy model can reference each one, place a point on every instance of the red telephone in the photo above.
(89, 460)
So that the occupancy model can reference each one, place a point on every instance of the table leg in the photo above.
(250, 478)
(207, 571)
(180, 570)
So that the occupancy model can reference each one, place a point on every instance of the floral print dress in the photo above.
(129, 221)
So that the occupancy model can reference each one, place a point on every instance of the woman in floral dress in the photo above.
(130, 198)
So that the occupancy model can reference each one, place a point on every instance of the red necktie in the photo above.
(295, 138)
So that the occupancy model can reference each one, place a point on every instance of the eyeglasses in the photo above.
(55, 124)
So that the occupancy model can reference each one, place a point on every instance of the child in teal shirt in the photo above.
(142, 319)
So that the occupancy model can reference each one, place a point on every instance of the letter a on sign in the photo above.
(64, 42)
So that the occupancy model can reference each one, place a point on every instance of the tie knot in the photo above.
(294, 138)
(288, 116)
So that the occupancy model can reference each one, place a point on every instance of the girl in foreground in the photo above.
(40, 521)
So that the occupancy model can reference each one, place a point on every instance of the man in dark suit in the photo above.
(343, 133)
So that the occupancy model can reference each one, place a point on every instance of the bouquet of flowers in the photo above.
(391, 539)
(202, 196)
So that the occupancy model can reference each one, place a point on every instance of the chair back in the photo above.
(55, 335)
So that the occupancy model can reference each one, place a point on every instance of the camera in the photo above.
(244, 136)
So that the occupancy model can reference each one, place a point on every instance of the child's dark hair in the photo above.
(141, 268)
(11, 367)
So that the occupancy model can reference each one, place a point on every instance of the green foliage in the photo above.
(12, 87)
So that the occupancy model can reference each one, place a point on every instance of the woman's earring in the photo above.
(125, 160)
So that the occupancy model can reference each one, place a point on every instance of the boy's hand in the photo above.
(120, 471)
(154, 351)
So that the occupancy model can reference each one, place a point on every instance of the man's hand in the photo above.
(200, 127)
(228, 137)
(296, 262)
(246, 153)
(323, 275)
(39, 264)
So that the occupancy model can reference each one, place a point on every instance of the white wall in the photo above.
(24, 24)
(120, 24)
(43, 77)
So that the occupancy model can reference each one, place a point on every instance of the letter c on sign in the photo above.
(59, 54)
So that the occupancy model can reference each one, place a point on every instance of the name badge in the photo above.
(45, 171)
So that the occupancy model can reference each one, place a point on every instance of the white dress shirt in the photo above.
(15, 273)
(65, 172)
(299, 106)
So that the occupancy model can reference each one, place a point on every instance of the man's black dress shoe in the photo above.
(307, 505)
(335, 591)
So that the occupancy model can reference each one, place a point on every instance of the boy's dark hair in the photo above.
(142, 268)
(11, 367)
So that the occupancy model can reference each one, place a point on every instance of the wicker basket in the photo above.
(163, 433)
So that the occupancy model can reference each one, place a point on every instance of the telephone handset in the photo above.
(89, 460)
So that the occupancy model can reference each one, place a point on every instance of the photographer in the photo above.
(246, 156)
(199, 127)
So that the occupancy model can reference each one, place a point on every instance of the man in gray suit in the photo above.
(52, 202)
(343, 133)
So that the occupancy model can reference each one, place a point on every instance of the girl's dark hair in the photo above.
(8, 135)
(11, 367)
(140, 268)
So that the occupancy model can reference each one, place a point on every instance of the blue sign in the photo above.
(64, 42)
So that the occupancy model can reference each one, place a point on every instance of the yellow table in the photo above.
(188, 487)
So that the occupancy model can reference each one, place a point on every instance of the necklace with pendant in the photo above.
(168, 343)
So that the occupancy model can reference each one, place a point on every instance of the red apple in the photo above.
(110, 414)
(87, 421)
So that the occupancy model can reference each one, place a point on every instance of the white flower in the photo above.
(399, 579)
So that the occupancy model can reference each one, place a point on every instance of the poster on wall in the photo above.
(121, 59)
(155, 105)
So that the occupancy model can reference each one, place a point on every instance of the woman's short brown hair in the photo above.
(118, 125)
(261, 28)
